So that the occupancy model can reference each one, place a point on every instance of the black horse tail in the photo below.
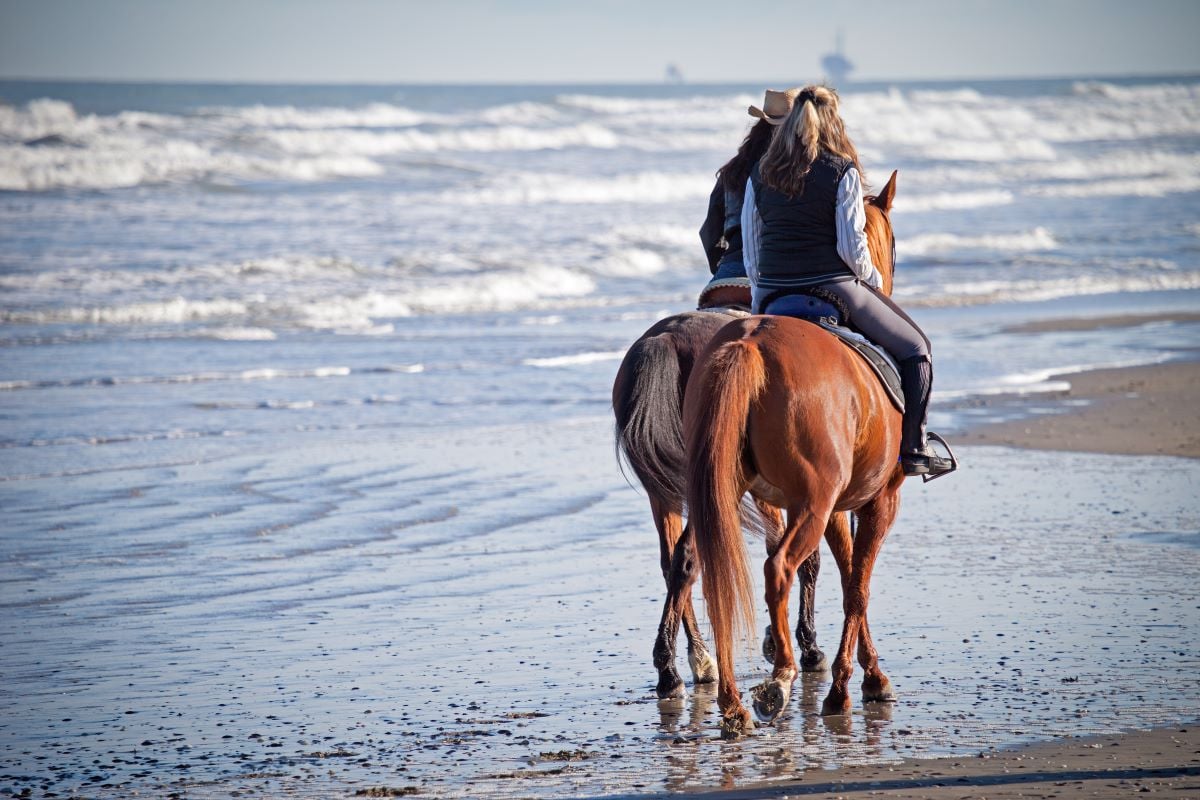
(647, 401)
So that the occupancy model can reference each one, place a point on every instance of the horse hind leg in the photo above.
(875, 520)
(812, 659)
(679, 586)
(876, 686)
(800, 540)
(773, 528)
(677, 565)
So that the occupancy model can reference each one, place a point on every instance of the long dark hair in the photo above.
(737, 169)
(814, 125)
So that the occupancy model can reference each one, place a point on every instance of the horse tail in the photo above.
(718, 404)
(648, 408)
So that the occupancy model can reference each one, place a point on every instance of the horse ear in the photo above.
(888, 193)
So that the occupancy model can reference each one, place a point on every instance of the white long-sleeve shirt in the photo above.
(851, 219)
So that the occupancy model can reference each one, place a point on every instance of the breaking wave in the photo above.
(535, 188)
(1036, 239)
(1033, 290)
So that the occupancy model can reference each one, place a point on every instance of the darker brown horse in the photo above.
(648, 403)
(782, 409)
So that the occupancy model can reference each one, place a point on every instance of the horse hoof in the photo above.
(770, 699)
(670, 686)
(768, 648)
(814, 661)
(835, 706)
(878, 691)
(704, 666)
(734, 725)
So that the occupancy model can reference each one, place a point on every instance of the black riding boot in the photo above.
(916, 456)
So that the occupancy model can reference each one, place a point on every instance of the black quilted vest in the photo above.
(798, 245)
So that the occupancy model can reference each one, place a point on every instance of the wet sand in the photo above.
(354, 617)
(364, 621)
(1164, 762)
(1101, 322)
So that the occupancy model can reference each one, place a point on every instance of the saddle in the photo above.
(826, 310)
(728, 296)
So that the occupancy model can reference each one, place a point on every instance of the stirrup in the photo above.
(928, 464)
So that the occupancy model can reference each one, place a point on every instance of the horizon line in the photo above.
(639, 83)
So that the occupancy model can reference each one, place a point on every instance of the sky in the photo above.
(590, 41)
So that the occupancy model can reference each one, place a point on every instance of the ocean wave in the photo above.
(660, 107)
(240, 274)
(1158, 186)
(629, 262)
(374, 115)
(1019, 291)
(478, 139)
(575, 359)
(1114, 164)
(174, 310)
(47, 144)
(114, 163)
(518, 113)
(998, 151)
(259, 297)
(946, 201)
(1036, 239)
(261, 374)
(956, 96)
(240, 334)
(1171, 91)
(966, 125)
(46, 117)
(541, 188)
(649, 235)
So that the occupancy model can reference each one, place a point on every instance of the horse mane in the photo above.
(881, 239)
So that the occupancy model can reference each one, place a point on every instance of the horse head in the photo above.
(880, 239)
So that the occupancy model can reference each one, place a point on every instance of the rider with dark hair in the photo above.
(721, 233)
(803, 228)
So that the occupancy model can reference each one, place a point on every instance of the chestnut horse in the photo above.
(781, 408)
(648, 403)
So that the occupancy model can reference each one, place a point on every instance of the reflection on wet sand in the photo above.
(687, 738)
(991, 622)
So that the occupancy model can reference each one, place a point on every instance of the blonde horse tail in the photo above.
(717, 406)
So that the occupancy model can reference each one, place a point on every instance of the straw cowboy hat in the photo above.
(776, 105)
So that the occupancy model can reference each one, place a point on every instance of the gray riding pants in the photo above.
(882, 321)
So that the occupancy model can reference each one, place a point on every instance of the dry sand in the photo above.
(1147, 410)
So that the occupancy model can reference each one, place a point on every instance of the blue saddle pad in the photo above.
(803, 306)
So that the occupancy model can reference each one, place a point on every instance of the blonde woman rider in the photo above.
(803, 232)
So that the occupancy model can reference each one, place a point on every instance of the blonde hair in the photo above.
(814, 125)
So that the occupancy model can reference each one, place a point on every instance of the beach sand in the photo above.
(1146, 410)
(1164, 762)
(351, 617)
